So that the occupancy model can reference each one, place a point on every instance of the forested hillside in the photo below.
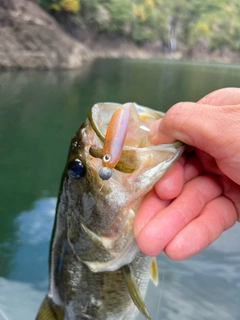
(212, 24)
(88, 29)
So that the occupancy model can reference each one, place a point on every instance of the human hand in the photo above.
(199, 197)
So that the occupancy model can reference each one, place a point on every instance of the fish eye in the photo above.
(76, 169)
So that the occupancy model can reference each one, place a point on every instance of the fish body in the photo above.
(95, 263)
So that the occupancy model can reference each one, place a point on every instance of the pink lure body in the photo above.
(116, 135)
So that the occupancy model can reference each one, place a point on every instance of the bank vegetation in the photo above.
(180, 25)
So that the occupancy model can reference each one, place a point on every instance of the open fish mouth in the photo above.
(134, 150)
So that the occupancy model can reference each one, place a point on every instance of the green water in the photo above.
(39, 113)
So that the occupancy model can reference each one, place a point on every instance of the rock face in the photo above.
(31, 39)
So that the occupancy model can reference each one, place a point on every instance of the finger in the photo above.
(150, 206)
(167, 188)
(217, 216)
(170, 185)
(199, 125)
(208, 162)
(232, 191)
(157, 232)
(192, 168)
(221, 97)
(225, 96)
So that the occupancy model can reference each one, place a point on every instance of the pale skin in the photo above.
(199, 197)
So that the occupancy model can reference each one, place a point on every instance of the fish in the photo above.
(96, 270)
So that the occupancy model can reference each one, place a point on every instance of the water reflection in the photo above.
(18, 300)
(33, 231)
(39, 113)
(27, 280)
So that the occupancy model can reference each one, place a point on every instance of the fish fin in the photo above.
(153, 271)
(134, 291)
(49, 311)
(93, 237)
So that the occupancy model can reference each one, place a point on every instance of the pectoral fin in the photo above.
(133, 291)
(49, 311)
(153, 271)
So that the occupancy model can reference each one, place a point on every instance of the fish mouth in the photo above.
(136, 144)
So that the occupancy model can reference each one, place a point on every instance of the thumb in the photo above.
(203, 126)
(221, 97)
(183, 117)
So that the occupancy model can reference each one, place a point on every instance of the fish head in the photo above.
(100, 213)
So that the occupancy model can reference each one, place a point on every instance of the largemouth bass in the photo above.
(96, 269)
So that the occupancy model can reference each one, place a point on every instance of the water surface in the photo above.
(39, 113)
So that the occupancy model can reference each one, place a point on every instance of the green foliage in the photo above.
(149, 22)
(71, 6)
(120, 15)
(215, 23)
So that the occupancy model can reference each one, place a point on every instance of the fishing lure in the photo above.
(115, 137)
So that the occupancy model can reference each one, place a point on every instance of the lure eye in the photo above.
(76, 169)
(106, 157)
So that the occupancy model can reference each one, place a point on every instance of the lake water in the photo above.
(39, 113)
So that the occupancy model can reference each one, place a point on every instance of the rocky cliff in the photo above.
(31, 39)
